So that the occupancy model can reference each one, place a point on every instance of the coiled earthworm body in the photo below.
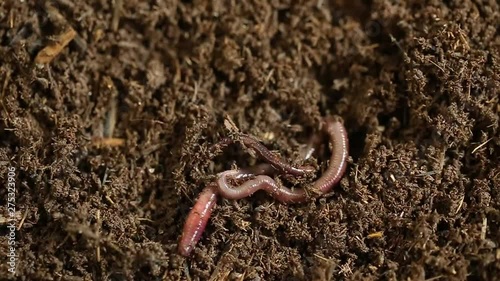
(339, 145)
(199, 215)
(324, 184)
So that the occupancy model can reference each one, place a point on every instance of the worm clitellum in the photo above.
(199, 215)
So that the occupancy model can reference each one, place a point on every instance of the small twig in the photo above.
(47, 54)
(117, 11)
(434, 278)
(460, 204)
(111, 142)
(481, 145)
(438, 66)
(484, 227)
(378, 234)
(98, 226)
(393, 40)
(2, 96)
(22, 220)
(110, 122)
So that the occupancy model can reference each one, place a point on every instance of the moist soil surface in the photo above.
(109, 110)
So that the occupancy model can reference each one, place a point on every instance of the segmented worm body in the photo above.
(260, 182)
(339, 142)
(263, 152)
(207, 200)
(197, 219)
(259, 179)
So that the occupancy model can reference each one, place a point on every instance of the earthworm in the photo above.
(324, 184)
(197, 219)
(276, 162)
(280, 193)
(200, 213)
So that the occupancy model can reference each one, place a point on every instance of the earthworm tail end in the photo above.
(275, 160)
(199, 215)
(197, 220)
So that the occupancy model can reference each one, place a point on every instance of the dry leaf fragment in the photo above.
(47, 54)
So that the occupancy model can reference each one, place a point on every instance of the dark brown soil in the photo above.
(416, 83)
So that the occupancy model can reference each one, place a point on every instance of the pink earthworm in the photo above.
(200, 213)
(278, 192)
(197, 219)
